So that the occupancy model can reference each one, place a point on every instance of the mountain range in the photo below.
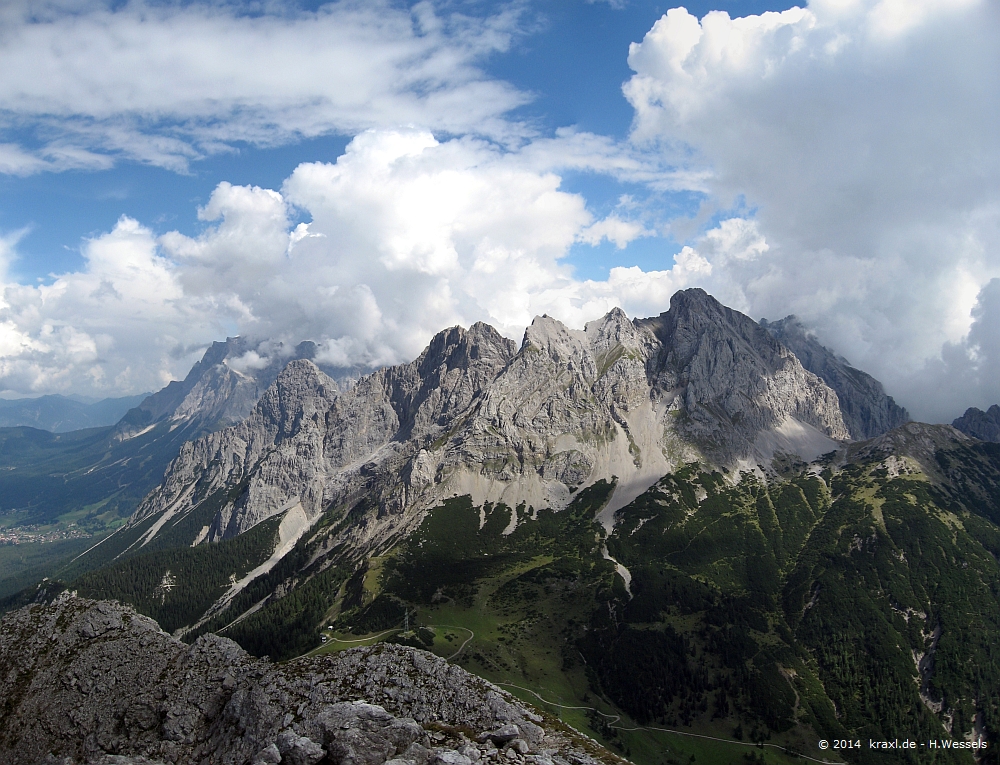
(475, 415)
(692, 523)
(61, 414)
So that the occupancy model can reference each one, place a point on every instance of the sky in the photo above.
(364, 174)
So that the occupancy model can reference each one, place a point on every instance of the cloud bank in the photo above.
(863, 135)
(406, 235)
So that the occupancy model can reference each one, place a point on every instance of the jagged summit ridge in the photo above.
(474, 415)
(307, 443)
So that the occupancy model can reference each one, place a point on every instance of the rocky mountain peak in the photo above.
(451, 372)
(695, 300)
(612, 335)
(743, 392)
(699, 325)
(554, 339)
(979, 424)
(867, 410)
(295, 394)
(221, 389)
(458, 348)
(301, 377)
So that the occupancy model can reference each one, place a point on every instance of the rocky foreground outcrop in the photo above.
(84, 681)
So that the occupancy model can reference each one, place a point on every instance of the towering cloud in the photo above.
(405, 235)
(861, 132)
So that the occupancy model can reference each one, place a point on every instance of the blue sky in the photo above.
(571, 58)
(365, 173)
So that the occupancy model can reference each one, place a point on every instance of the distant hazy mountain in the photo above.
(61, 414)
(867, 410)
(979, 424)
(217, 392)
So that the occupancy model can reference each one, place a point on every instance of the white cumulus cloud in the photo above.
(616, 230)
(405, 235)
(862, 136)
(117, 325)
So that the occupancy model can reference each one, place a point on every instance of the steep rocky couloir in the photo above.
(95, 682)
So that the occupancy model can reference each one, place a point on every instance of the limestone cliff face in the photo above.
(220, 390)
(867, 410)
(307, 444)
(93, 681)
(276, 453)
(619, 400)
(740, 389)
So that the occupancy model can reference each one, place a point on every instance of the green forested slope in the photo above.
(87, 476)
(836, 603)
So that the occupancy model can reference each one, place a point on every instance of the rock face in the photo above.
(220, 390)
(620, 400)
(92, 681)
(739, 384)
(979, 424)
(867, 410)
(277, 449)
(308, 444)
